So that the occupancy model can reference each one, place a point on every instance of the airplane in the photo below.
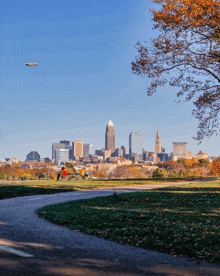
(31, 64)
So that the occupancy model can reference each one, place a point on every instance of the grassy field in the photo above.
(181, 220)
(14, 189)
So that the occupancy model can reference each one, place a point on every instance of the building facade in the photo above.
(61, 156)
(87, 149)
(158, 143)
(179, 150)
(135, 145)
(33, 156)
(56, 146)
(201, 155)
(110, 137)
(77, 149)
(67, 143)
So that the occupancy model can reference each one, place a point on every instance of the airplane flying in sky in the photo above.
(31, 64)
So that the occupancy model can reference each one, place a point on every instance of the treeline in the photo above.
(186, 168)
(15, 172)
(182, 168)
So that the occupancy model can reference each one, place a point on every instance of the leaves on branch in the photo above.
(188, 46)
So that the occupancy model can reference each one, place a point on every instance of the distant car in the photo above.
(31, 64)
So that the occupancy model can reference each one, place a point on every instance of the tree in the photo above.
(158, 174)
(215, 168)
(188, 46)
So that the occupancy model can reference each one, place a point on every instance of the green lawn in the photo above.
(14, 189)
(181, 220)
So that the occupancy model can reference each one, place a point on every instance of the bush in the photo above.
(2, 176)
(158, 174)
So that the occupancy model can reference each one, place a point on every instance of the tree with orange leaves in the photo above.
(189, 46)
(215, 168)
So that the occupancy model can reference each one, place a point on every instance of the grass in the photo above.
(25, 188)
(181, 220)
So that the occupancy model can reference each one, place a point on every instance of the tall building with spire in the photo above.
(110, 137)
(157, 143)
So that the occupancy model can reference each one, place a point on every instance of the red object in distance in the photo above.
(64, 173)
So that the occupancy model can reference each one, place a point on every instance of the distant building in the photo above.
(135, 145)
(100, 152)
(55, 147)
(33, 156)
(110, 137)
(66, 143)
(119, 152)
(180, 151)
(163, 156)
(87, 149)
(15, 160)
(47, 160)
(77, 148)
(61, 156)
(124, 150)
(107, 154)
(201, 155)
(158, 143)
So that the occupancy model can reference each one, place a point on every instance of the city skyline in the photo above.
(84, 52)
(148, 143)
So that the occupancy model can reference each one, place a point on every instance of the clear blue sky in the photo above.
(84, 51)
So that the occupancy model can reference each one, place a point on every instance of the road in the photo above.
(54, 250)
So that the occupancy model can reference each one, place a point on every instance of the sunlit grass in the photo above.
(180, 220)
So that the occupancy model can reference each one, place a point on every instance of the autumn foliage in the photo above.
(215, 169)
(15, 172)
(188, 45)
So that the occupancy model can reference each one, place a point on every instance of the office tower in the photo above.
(135, 145)
(179, 150)
(163, 156)
(157, 143)
(124, 150)
(61, 156)
(56, 146)
(119, 152)
(33, 156)
(107, 154)
(110, 137)
(87, 149)
(77, 148)
(67, 143)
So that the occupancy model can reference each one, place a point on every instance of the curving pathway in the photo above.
(53, 250)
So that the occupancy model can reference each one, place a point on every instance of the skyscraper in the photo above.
(179, 150)
(56, 146)
(77, 149)
(157, 143)
(135, 145)
(87, 149)
(110, 137)
(61, 156)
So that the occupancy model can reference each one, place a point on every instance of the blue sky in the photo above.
(84, 51)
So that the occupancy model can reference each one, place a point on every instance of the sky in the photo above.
(84, 51)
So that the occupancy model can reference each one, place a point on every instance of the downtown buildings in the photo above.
(77, 151)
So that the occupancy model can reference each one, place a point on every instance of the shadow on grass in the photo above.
(193, 190)
(177, 221)
(16, 191)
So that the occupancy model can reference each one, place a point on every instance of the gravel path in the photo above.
(60, 251)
